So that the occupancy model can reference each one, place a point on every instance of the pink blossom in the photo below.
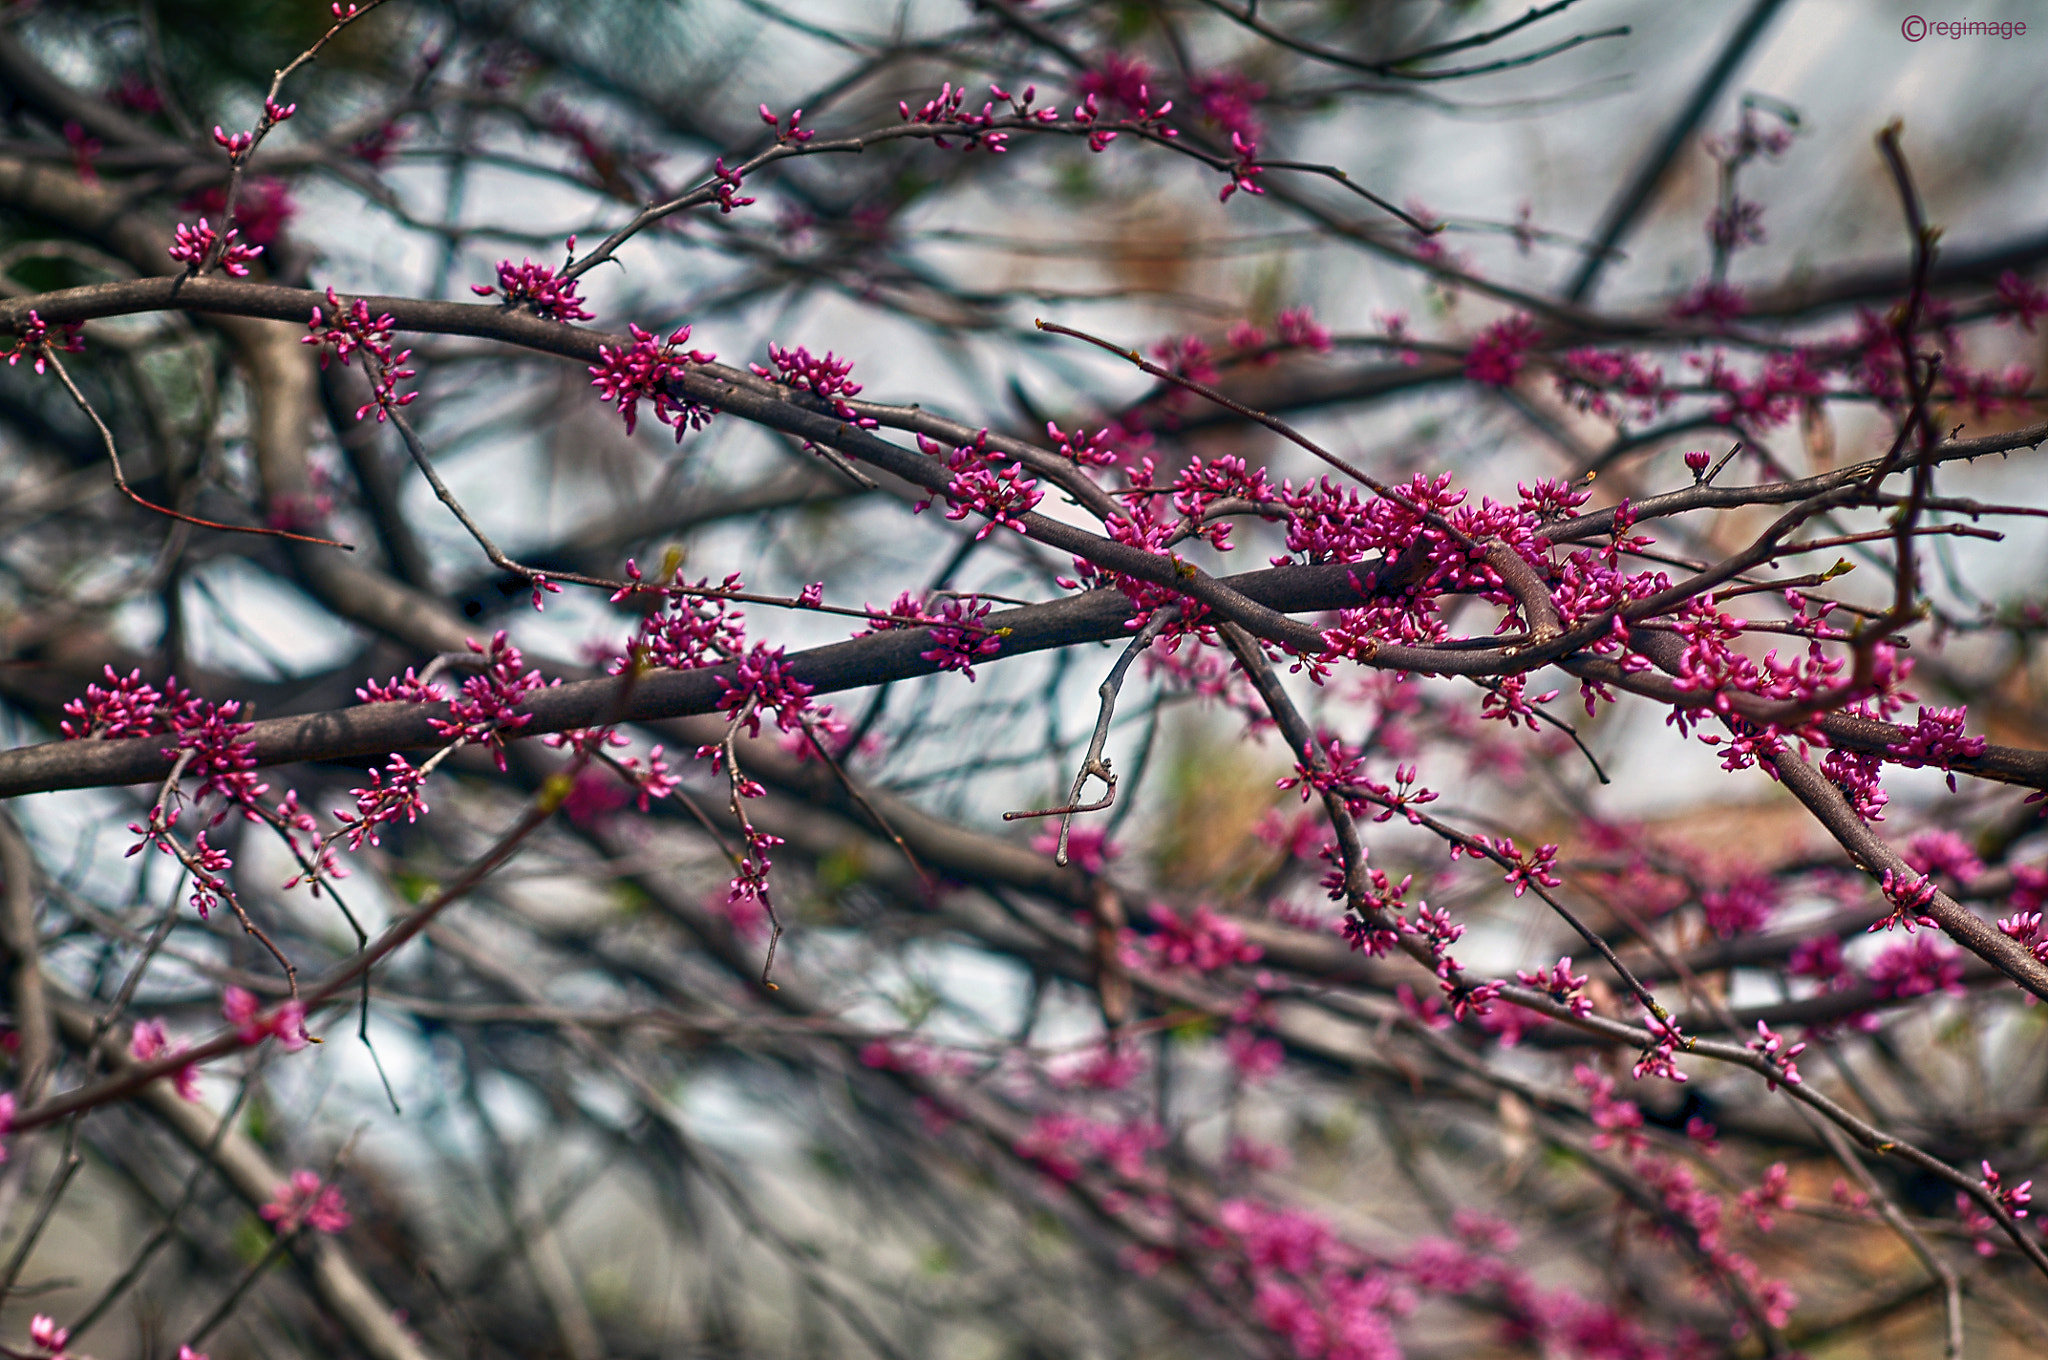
(794, 133)
(1501, 351)
(407, 689)
(2022, 299)
(1089, 849)
(950, 107)
(1716, 303)
(1909, 896)
(1565, 987)
(649, 371)
(1100, 1068)
(1781, 386)
(35, 340)
(191, 246)
(1005, 497)
(1052, 1144)
(1916, 967)
(1589, 379)
(1736, 224)
(1944, 852)
(236, 145)
(828, 377)
(537, 288)
(1124, 80)
(1819, 958)
(304, 1202)
(1255, 1057)
(289, 1025)
(262, 209)
(148, 1040)
(1937, 739)
(240, 1009)
(1768, 1198)
(1977, 1223)
(488, 705)
(1229, 99)
(1771, 1047)
(1659, 1059)
(345, 331)
(380, 802)
(1202, 941)
(593, 797)
(46, 1334)
(128, 707)
(763, 682)
(1186, 356)
(1743, 907)
(2014, 1197)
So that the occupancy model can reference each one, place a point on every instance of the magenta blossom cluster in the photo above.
(1782, 385)
(262, 208)
(2025, 927)
(1565, 987)
(537, 288)
(1186, 356)
(949, 107)
(127, 706)
(342, 332)
(1126, 83)
(1744, 906)
(1004, 495)
(695, 626)
(1593, 379)
(2023, 301)
(1096, 450)
(1917, 967)
(1501, 350)
(286, 1024)
(384, 802)
(1201, 940)
(1690, 1206)
(1910, 896)
(795, 133)
(761, 683)
(1714, 302)
(487, 708)
(219, 754)
(47, 1336)
(1937, 739)
(1770, 1046)
(192, 245)
(829, 377)
(649, 370)
(1230, 100)
(959, 635)
(725, 188)
(1059, 1144)
(34, 340)
(305, 1201)
(593, 795)
(150, 1041)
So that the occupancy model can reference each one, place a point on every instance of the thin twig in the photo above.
(121, 479)
(1093, 765)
